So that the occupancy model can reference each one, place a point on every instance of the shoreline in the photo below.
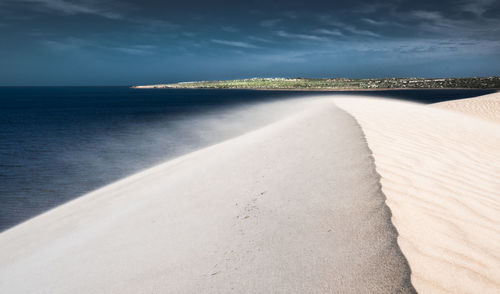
(312, 90)
(338, 84)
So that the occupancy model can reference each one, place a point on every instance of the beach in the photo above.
(347, 194)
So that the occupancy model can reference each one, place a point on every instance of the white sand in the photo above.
(294, 207)
(441, 174)
(485, 107)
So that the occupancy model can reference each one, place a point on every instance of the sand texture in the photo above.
(294, 207)
(440, 172)
(485, 107)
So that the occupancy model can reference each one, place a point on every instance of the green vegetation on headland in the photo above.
(339, 84)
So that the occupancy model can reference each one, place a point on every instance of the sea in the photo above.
(58, 143)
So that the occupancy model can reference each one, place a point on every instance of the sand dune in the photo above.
(441, 175)
(294, 207)
(485, 107)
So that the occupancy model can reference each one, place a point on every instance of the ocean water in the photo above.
(57, 143)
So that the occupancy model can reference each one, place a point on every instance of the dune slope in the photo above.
(486, 107)
(294, 207)
(440, 171)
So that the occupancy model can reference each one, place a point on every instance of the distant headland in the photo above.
(337, 84)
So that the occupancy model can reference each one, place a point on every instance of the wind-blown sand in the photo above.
(294, 207)
(441, 174)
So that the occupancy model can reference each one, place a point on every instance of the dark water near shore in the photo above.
(57, 143)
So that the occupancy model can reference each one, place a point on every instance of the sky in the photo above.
(92, 42)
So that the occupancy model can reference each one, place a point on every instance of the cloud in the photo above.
(269, 23)
(326, 19)
(380, 50)
(229, 29)
(434, 16)
(136, 49)
(260, 39)
(283, 56)
(72, 44)
(334, 32)
(72, 8)
(234, 43)
(291, 14)
(306, 37)
(439, 25)
(92, 7)
(369, 8)
(428, 48)
(68, 44)
(477, 7)
(356, 31)
(382, 23)
(152, 24)
(375, 22)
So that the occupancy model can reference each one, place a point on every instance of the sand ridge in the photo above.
(440, 172)
(485, 107)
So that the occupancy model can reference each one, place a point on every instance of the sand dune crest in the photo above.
(294, 207)
(441, 174)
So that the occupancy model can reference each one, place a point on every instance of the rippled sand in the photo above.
(441, 174)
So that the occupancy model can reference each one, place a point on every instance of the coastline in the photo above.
(340, 83)
(313, 90)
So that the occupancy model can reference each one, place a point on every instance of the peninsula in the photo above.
(337, 84)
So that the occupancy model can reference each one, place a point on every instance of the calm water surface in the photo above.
(57, 143)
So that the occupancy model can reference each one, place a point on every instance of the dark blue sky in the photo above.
(92, 42)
